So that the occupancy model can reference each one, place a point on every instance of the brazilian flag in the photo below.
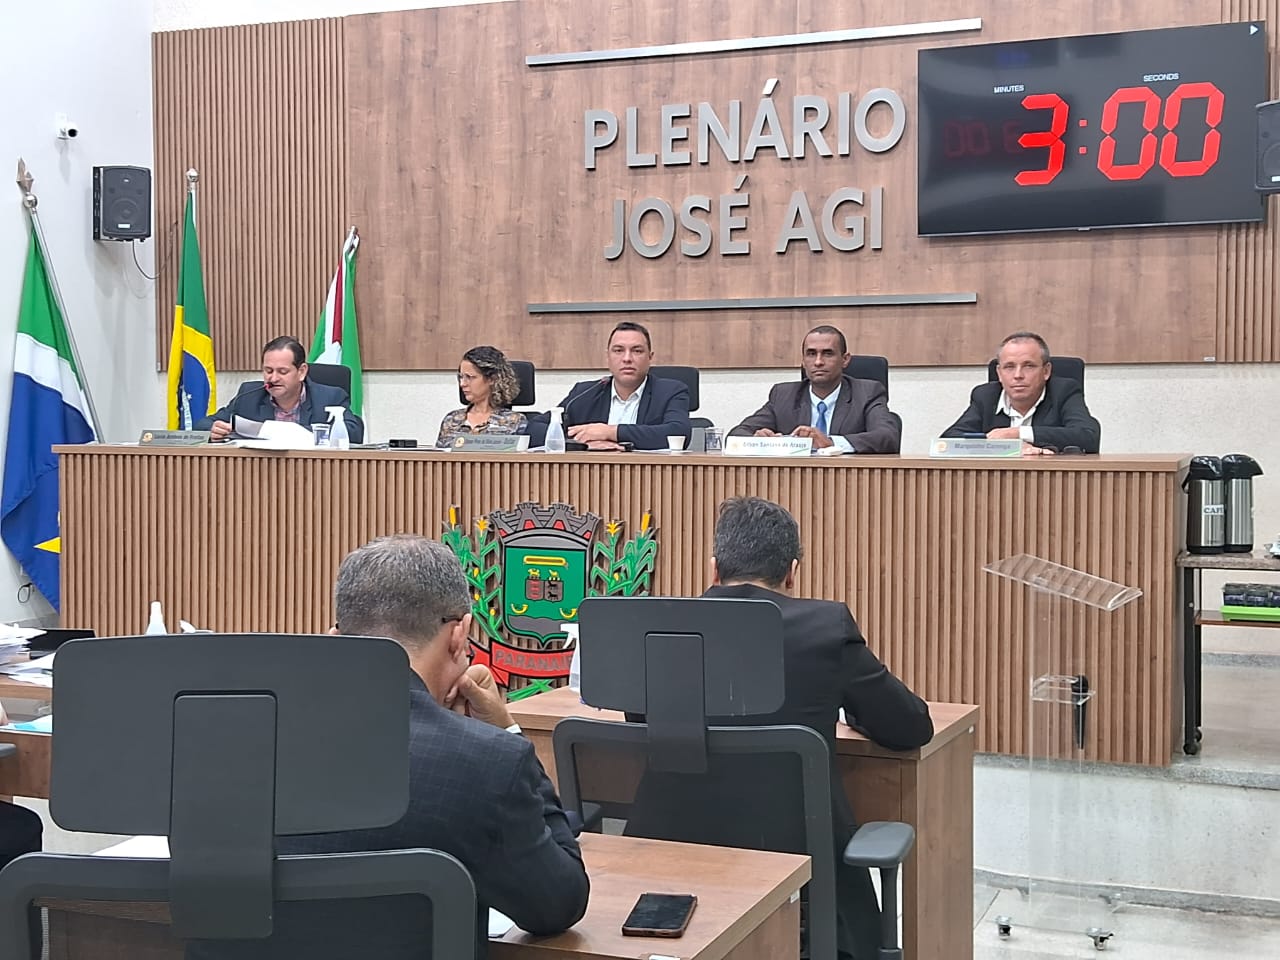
(193, 392)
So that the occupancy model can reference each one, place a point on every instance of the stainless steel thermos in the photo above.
(1206, 506)
(1238, 472)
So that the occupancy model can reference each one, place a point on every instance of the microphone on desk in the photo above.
(591, 391)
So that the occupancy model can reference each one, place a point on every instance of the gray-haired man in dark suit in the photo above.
(477, 791)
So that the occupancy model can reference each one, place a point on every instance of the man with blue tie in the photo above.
(831, 407)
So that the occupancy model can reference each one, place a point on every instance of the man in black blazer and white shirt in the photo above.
(476, 789)
(850, 414)
(827, 666)
(1048, 413)
(628, 406)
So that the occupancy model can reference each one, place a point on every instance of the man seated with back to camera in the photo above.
(1047, 413)
(476, 788)
(827, 665)
(628, 406)
(285, 393)
(828, 405)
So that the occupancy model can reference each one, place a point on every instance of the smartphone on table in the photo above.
(660, 915)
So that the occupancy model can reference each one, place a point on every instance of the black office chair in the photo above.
(730, 661)
(865, 368)
(223, 742)
(525, 372)
(331, 375)
(689, 376)
(1069, 367)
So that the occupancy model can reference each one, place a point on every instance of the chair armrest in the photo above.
(591, 820)
(880, 844)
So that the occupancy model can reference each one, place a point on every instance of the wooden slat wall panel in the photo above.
(259, 111)
(1248, 268)
(468, 184)
(232, 540)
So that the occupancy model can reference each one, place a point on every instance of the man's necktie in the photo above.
(822, 416)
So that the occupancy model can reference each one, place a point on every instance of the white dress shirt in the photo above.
(1020, 420)
(843, 445)
(625, 411)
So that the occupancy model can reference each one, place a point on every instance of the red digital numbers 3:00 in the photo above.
(1164, 147)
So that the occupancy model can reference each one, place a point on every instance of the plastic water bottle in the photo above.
(155, 625)
(338, 437)
(555, 432)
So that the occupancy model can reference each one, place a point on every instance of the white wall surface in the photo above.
(92, 62)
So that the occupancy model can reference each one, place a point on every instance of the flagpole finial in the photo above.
(25, 182)
(193, 176)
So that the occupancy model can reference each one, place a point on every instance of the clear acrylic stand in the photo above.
(1064, 864)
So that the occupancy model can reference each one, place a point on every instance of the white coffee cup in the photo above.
(675, 444)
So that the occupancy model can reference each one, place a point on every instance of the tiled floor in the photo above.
(1241, 746)
(1140, 933)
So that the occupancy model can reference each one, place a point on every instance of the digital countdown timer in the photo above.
(1109, 130)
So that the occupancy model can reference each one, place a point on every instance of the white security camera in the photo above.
(67, 129)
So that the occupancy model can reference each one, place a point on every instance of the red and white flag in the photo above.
(336, 340)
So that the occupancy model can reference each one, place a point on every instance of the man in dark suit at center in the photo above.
(476, 788)
(827, 665)
(628, 406)
(836, 410)
(285, 393)
(1047, 413)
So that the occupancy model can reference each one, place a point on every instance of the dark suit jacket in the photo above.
(827, 666)
(254, 403)
(1061, 420)
(476, 792)
(862, 415)
(664, 412)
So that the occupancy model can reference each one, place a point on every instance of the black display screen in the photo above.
(1109, 130)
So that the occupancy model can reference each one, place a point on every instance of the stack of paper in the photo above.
(273, 435)
(38, 672)
(14, 640)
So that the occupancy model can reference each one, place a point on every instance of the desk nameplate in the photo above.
(975, 447)
(173, 438)
(491, 443)
(768, 446)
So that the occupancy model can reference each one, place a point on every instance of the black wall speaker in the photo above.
(1269, 147)
(121, 203)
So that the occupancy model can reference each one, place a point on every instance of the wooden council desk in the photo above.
(238, 540)
(747, 910)
(930, 788)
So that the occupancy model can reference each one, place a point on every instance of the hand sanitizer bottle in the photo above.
(338, 438)
(575, 665)
(155, 625)
(555, 432)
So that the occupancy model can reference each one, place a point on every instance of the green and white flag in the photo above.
(49, 406)
(336, 340)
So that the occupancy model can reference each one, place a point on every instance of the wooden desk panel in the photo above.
(930, 788)
(26, 773)
(239, 540)
(745, 910)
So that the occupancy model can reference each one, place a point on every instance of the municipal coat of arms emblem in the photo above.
(530, 568)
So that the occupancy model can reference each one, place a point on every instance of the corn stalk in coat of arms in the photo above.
(529, 569)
